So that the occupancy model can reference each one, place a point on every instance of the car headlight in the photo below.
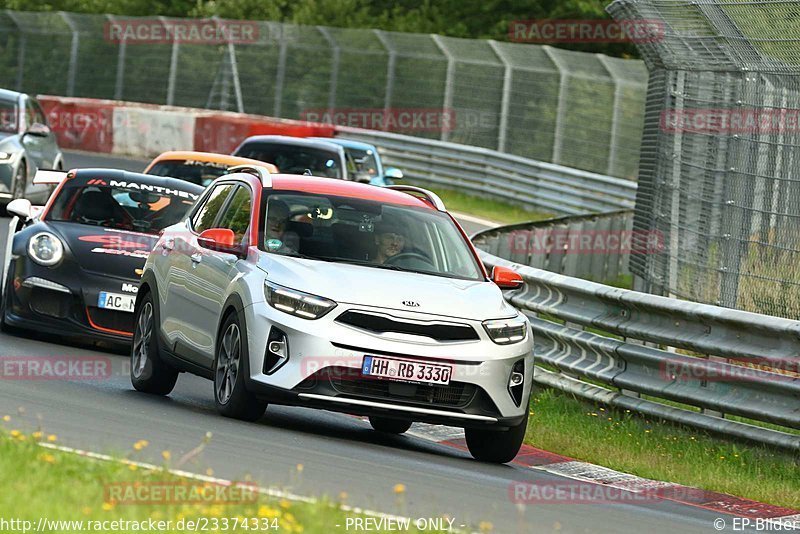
(296, 302)
(5, 155)
(45, 249)
(507, 331)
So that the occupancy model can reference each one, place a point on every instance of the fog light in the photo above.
(277, 352)
(516, 381)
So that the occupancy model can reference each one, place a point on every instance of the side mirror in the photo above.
(393, 173)
(506, 278)
(20, 207)
(221, 240)
(38, 129)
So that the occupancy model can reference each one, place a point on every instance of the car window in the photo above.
(30, 114)
(196, 172)
(294, 159)
(38, 112)
(204, 217)
(237, 214)
(8, 116)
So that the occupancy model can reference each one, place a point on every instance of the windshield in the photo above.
(196, 172)
(364, 161)
(369, 233)
(293, 159)
(119, 208)
(8, 116)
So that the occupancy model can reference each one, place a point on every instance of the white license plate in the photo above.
(114, 301)
(406, 370)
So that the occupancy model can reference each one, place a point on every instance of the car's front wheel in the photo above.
(388, 425)
(496, 446)
(230, 394)
(149, 373)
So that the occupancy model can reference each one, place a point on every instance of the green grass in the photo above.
(662, 451)
(485, 208)
(41, 482)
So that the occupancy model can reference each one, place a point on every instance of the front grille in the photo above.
(111, 320)
(381, 324)
(349, 381)
(50, 303)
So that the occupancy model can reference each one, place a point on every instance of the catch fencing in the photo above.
(570, 108)
(708, 367)
(720, 167)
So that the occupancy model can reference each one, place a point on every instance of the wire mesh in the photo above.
(720, 160)
(511, 97)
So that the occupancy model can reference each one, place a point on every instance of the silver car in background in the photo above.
(26, 145)
(336, 295)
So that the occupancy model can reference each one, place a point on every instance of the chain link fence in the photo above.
(572, 108)
(720, 163)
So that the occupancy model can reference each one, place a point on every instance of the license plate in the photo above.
(406, 370)
(114, 301)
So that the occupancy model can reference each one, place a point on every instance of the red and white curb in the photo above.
(566, 467)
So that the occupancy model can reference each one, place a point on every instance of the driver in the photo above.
(278, 239)
(390, 240)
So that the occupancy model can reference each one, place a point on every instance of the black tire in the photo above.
(149, 373)
(388, 425)
(6, 287)
(496, 446)
(20, 181)
(230, 393)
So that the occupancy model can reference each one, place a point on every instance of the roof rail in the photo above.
(430, 196)
(262, 173)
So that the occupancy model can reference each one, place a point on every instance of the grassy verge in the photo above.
(40, 482)
(662, 451)
(485, 208)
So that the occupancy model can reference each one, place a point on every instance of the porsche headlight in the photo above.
(507, 331)
(5, 156)
(296, 302)
(45, 249)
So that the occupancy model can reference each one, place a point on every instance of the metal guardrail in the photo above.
(690, 363)
(480, 171)
(592, 247)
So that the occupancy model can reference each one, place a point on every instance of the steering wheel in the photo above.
(409, 256)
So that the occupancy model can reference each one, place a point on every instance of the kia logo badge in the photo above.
(411, 304)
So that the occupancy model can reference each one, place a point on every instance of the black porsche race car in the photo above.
(73, 268)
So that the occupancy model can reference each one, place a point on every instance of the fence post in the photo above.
(120, 79)
(558, 134)
(447, 105)
(615, 112)
(502, 133)
(173, 64)
(280, 74)
(390, 71)
(237, 88)
(21, 51)
(335, 60)
(73, 53)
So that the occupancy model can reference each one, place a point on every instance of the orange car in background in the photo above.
(199, 168)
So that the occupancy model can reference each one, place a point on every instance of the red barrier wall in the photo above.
(81, 123)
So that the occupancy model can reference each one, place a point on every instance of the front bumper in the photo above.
(63, 301)
(324, 362)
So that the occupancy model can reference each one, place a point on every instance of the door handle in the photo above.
(197, 257)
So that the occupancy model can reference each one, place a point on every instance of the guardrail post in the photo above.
(119, 82)
(447, 104)
(390, 74)
(280, 75)
(674, 185)
(502, 131)
(336, 53)
(21, 50)
(73, 53)
(173, 64)
(558, 134)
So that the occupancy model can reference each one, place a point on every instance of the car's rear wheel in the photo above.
(389, 425)
(20, 181)
(149, 373)
(230, 394)
(496, 446)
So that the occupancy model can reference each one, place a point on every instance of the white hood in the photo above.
(369, 286)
